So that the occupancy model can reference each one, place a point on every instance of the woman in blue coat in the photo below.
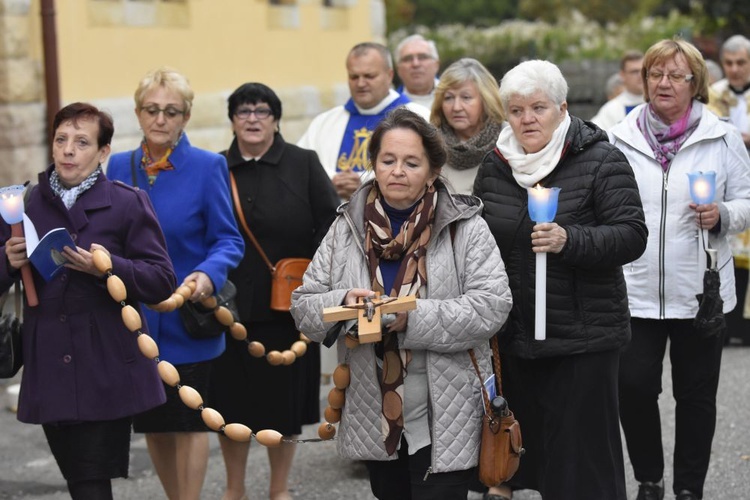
(189, 188)
(84, 376)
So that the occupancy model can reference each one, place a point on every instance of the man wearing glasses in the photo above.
(417, 67)
(340, 135)
(614, 110)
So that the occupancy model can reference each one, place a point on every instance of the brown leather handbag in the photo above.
(501, 447)
(286, 275)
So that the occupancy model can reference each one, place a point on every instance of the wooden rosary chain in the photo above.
(236, 329)
(170, 376)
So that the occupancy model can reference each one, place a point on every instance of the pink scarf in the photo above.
(666, 140)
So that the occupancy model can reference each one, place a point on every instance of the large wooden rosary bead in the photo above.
(164, 306)
(238, 331)
(212, 419)
(238, 432)
(116, 288)
(288, 357)
(131, 318)
(256, 349)
(178, 299)
(224, 316)
(269, 438)
(341, 376)
(190, 397)
(102, 261)
(168, 373)
(147, 346)
(274, 358)
(326, 431)
(332, 415)
(336, 398)
(184, 291)
(299, 348)
(209, 302)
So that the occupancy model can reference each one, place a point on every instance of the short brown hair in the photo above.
(85, 111)
(404, 118)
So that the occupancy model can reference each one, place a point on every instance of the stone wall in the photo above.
(23, 150)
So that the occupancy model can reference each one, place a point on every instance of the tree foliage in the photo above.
(467, 12)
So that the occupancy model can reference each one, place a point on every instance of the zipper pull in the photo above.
(429, 471)
(666, 183)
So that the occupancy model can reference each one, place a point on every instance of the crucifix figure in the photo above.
(368, 313)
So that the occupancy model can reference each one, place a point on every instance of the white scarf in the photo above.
(529, 169)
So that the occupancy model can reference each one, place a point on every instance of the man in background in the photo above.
(417, 64)
(615, 110)
(340, 135)
(730, 98)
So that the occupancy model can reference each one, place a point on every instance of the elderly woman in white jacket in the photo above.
(670, 136)
(414, 405)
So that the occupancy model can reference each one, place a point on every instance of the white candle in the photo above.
(540, 319)
(542, 208)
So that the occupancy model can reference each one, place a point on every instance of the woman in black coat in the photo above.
(563, 389)
(288, 202)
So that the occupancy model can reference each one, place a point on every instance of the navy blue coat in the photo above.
(80, 362)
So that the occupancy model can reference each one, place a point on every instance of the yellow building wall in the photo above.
(225, 43)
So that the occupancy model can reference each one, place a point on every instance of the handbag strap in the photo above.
(243, 223)
(498, 376)
(133, 175)
(17, 299)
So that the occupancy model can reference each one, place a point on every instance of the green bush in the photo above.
(571, 38)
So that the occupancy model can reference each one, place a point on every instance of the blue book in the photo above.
(46, 254)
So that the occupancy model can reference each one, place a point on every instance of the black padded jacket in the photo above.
(600, 209)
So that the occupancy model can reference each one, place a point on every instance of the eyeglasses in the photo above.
(419, 57)
(655, 77)
(260, 113)
(169, 112)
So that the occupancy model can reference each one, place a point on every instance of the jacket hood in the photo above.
(582, 134)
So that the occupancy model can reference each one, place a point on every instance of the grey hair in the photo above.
(613, 82)
(362, 48)
(533, 76)
(417, 38)
(715, 72)
(734, 44)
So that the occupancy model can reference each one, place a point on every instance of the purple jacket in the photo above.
(80, 362)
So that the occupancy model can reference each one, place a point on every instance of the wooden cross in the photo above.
(369, 314)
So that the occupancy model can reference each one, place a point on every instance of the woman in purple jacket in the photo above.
(84, 376)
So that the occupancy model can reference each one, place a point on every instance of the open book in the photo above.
(46, 255)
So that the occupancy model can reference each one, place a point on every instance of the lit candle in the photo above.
(11, 204)
(11, 209)
(702, 187)
(542, 208)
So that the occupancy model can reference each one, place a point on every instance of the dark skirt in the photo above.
(89, 451)
(174, 415)
(250, 391)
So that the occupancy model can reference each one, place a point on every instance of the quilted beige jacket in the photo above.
(467, 301)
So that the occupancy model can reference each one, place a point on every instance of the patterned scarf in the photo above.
(153, 167)
(70, 195)
(410, 245)
(666, 140)
(469, 154)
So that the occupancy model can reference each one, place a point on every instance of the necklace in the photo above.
(236, 329)
(269, 438)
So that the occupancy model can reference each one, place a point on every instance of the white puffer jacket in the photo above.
(663, 283)
(467, 301)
